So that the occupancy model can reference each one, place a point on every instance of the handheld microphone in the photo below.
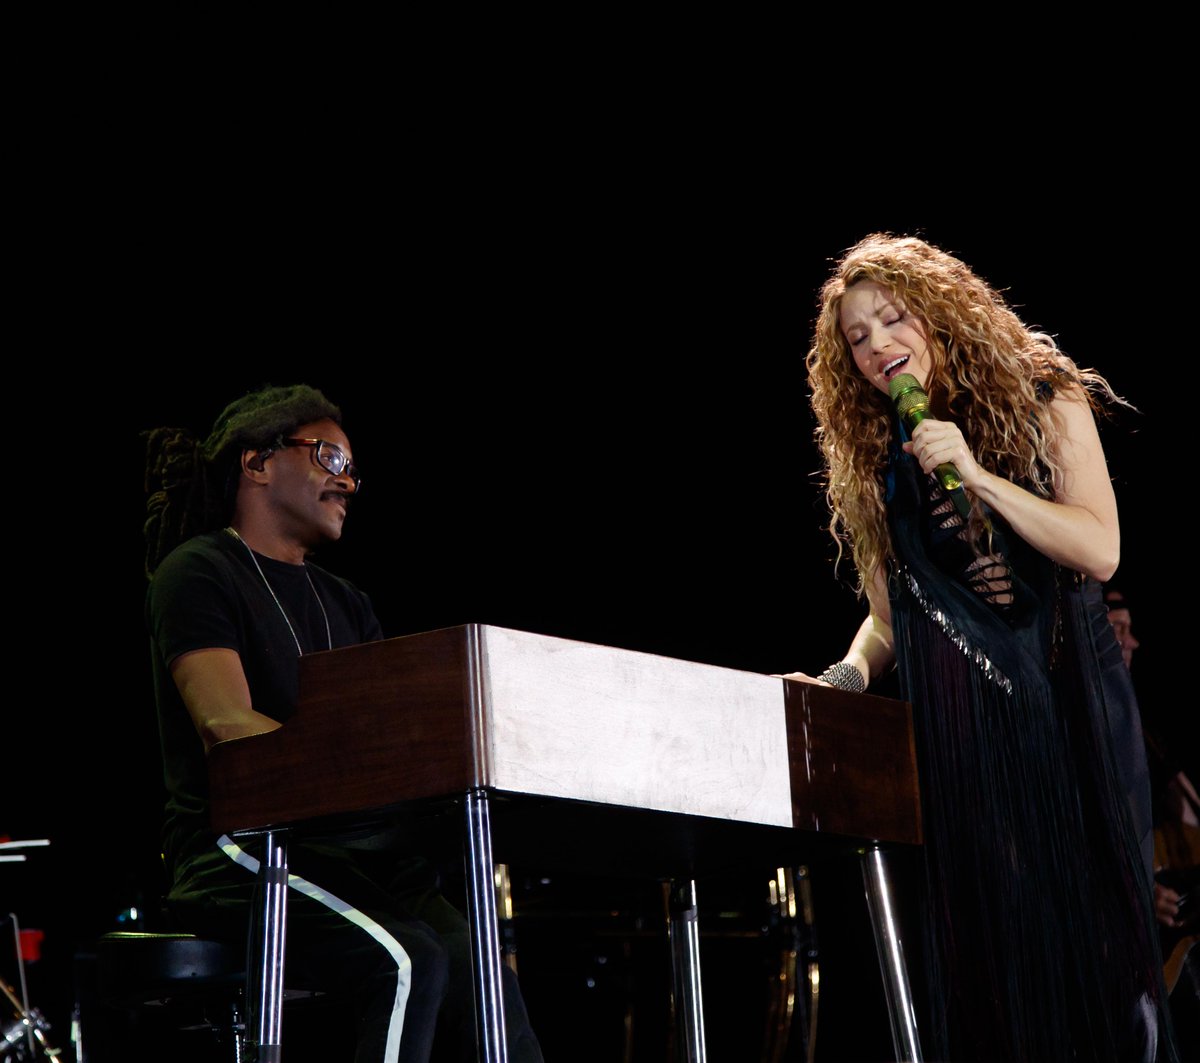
(912, 405)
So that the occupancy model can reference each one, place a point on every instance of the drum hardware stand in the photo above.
(27, 1026)
(24, 1034)
(794, 991)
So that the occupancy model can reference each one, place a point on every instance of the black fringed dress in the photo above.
(1035, 793)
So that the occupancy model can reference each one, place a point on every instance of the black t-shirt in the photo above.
(208, 594)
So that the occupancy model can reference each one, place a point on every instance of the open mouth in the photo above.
(894, 366)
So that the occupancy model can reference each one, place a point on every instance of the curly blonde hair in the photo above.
(989, 374)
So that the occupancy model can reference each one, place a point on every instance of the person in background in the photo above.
(1176, 850)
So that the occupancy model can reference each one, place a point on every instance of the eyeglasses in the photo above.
(329, 456)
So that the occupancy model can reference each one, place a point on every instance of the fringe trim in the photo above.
(976, 656)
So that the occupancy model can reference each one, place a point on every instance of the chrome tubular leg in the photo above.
(266, 1024)
(485, 936)
(905, 1039)
(685, 962)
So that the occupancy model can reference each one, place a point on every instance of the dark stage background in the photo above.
(578, 413)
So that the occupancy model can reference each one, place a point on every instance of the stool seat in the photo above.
(139, 968)
(180, 997)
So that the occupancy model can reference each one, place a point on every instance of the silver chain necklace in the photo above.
(278, 604)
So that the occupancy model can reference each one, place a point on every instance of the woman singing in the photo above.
(1033, 778)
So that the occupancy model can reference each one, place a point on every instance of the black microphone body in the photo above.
(912, 404)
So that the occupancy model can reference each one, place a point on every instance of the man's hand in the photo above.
(1166, 905)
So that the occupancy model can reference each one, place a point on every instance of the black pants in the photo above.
(371, 927)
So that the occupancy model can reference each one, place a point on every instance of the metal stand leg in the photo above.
(266, 1005)
(685, 962)
(905, 1039)
(485, 936)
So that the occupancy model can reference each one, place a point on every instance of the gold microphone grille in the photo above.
(907, 394)
(909, 401)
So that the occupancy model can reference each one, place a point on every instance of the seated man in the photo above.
(230, 610)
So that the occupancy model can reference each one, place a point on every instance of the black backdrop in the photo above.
(580, 410)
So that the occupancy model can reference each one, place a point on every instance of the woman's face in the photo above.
(885, 339)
